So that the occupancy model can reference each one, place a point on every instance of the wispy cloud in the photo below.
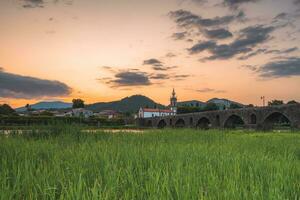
(157, 65)
(234, 4)
(135, 77)
(219, 33)
(153, 61)
(33, 4)
(42, 3)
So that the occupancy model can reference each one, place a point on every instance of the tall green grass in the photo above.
(64, 163)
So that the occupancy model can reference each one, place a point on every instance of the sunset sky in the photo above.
(103, 50)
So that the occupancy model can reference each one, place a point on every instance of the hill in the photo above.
(47, 105)
(128, 104)
(192, 103)
(223, 102)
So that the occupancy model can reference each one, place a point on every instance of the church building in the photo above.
(151, 112)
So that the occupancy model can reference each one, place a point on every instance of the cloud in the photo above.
(250, 67)
(257, 52)
(152, 61)
(129, 78)
(157, 65)
(217, 33)
(185, 18)
(181, 77)
(179, 35)
(163, 68)
(290, 50)
(201, 46)
(201, 2)
(42, 3)
(236, 3)
(208, 90)
(281, 16)
(248, 38)
(266, 51)
(282, 68)
(170, 55)
(25, 87)
(135, 77)
(33, 4)
(160, 76)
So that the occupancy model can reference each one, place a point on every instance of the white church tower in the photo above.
(173, 102)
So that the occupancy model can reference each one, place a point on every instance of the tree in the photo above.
(211, 106)
(5, 109)
(250, 106)
(292, 102)
(275, 102)
(187, 109)
(234, 106)
(78, 103)
(28, 107)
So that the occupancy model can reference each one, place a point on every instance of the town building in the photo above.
(153, 112)
(109, 114)
(79, 112)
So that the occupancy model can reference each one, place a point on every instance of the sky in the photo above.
(104, 50)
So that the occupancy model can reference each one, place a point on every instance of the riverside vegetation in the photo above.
(63, 162)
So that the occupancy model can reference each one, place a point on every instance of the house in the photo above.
(110, 114)
(81, 112)
(77, 112)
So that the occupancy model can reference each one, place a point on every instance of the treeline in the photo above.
(48, 120)
(207, 107)
(276, 102)
(214, 106)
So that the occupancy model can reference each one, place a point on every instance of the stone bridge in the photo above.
(256, 118)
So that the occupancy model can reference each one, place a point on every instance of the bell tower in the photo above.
(173, 102)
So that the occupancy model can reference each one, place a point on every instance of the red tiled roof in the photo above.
(156, 110)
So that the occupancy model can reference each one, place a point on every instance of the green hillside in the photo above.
(128, 104)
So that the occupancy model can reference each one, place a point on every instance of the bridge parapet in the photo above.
(256, 117)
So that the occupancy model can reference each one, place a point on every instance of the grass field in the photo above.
(64, 163)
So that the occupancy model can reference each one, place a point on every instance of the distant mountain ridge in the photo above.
(193, 103)
(127, 104)
(220, 102)
(47, 105)
(224, 102)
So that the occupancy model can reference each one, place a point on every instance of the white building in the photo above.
(150, 112)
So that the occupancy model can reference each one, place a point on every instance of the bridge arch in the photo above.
(161, 124)
(180, 123)
(203, 123)
(234, 121)
(276, 119)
